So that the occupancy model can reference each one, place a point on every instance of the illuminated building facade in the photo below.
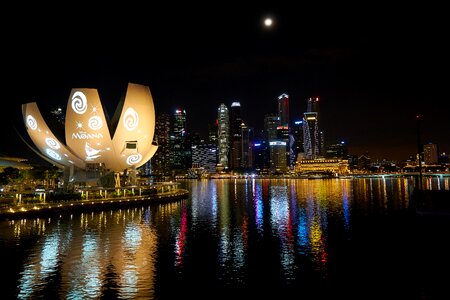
(313, 107)
(236, 135)
(283, 109)
(89, 145)
(278, 161)
(223, 135)
(311, 135)
(205, 156)
(334, 166)
(339, 150)
(271, 123)
(247, 151)
(430, 154)
(178, 139)
(161, 160)
(297, 146)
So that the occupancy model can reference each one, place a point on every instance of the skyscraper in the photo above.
(161, 160)
(236, 135)
(283, 109)
(178, 140)
(430, 154)
(223, 135)
(317, 139)
(247, 149)
(311, 135)
(297, 147)
(313, 105)
(271, 123)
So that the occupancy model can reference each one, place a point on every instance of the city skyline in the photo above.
(372, 77)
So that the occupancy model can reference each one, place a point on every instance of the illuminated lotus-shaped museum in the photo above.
(92, 142)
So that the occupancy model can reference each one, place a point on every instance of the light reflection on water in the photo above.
(228, 233)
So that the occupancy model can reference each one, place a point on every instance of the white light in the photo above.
(52, 143)
(53, 154)
(134, 159)
(130, 119)
(268, 22)
(95, 123)
(79, 103)
(31, 121)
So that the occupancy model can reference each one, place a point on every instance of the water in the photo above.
(352, 238)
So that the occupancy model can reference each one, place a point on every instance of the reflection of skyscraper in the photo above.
(311, 135)
(223, 135)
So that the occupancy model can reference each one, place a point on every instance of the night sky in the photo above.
(374, 68)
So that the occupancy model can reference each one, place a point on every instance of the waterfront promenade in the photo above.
(20, 209)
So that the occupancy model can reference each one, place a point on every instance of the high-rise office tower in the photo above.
(313, 105)
(271, 123)
(297, 146)
(236, 138)
(204, 155)
(283, 109)
(160, 162)
(223, 135)
(338, 150)
(247, 149)
(178, 140)
(430, 154)
(283, 115)
(311, 135)
(212, 132)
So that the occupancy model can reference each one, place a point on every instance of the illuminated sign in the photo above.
(277, 143)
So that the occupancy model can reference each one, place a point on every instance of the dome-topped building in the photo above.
(92, 142)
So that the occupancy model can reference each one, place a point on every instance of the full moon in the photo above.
(268, 22)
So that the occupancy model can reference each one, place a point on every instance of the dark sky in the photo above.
(374, 68)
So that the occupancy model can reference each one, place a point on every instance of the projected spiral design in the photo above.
(52, 143)
(95, 123)
(79, 103)
(130, 119)
(31, 122)
(134, 159)
(53, 154)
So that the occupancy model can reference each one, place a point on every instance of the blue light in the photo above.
(298, 122)
(342, 142)
(257, 145)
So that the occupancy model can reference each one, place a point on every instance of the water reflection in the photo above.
(229, 233)
(110, 253)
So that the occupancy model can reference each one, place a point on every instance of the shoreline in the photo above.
(51, 208)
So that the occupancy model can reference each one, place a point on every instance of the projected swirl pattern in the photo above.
(130, 119)
(79, 102)
(52, 143)
(31, 122)
(95, 123)
(53, 154)
(134, 159)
